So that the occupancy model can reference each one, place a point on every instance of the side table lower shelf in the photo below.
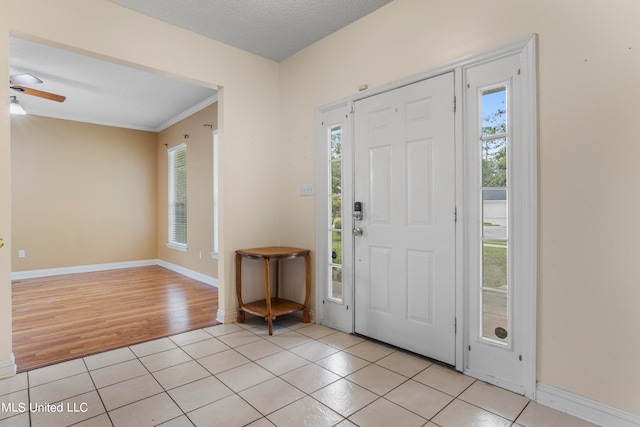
(279, 307)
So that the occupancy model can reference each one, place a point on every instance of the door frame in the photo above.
(528, 218)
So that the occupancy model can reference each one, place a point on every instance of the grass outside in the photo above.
(494, 272)
(494, 265)
(336, 259)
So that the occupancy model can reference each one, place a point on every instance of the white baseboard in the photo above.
(227, 316)
(189, 273)
(32, 274)
(582, 407)
(8, 368)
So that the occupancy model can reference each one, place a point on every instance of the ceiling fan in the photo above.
(17, 81)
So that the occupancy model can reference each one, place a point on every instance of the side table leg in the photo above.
(268, 294)
(307, 267)
(239, 287)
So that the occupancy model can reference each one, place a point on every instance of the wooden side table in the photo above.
(270, 307)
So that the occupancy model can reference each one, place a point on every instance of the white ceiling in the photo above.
(102, 92)
(106, 93)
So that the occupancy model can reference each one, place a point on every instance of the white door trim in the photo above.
(527, 48)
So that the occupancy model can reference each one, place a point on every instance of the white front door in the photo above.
(405, 181)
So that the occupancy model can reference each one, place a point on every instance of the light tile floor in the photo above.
(238, 375)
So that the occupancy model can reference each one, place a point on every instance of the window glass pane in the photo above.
(494, 265)
(494, 214)
(494, 112)
(336, 143)
(494, 315)
(335, 202)
(494, 138)
(336, 177)
(336, 213)
(336, 247)
(336, 283)
(494, 162)
(495, 286)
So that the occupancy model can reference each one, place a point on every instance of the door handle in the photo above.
(357, 232)
(1, 242)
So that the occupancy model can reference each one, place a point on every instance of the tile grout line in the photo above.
(452, 400)
(522, 412)
(309, 362)
(164, 390)
(259, 332)
(369, 363)
(106, 411)
(120, 382)
(136, 357)
(327, 385)
(407, 379)
(288, 350)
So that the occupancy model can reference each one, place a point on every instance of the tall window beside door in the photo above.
(495, 197)
(335, 206)
(216, 181)
(177, 214)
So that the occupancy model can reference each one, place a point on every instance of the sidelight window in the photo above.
(335, 235)
(494, 141)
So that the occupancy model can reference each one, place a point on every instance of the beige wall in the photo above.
(82, 193)
(199, 191)
(248, 99)
(589, 63)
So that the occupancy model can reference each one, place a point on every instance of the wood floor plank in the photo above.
(64, 317)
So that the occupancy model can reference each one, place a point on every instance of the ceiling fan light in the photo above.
(15, 107)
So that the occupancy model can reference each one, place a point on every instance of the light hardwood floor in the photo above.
(64, 317)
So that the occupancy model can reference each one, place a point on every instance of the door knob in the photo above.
(1, 242)
(357, 232)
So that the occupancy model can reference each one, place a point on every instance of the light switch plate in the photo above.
(306, 190)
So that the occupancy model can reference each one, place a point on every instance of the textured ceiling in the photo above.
(105, 93)
(275, 29)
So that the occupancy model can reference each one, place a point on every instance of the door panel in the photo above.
(405, 179)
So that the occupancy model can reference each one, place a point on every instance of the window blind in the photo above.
(178, 196)
(216, 181)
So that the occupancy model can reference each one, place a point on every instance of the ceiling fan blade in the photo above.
(39, 93)
(24, 79)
